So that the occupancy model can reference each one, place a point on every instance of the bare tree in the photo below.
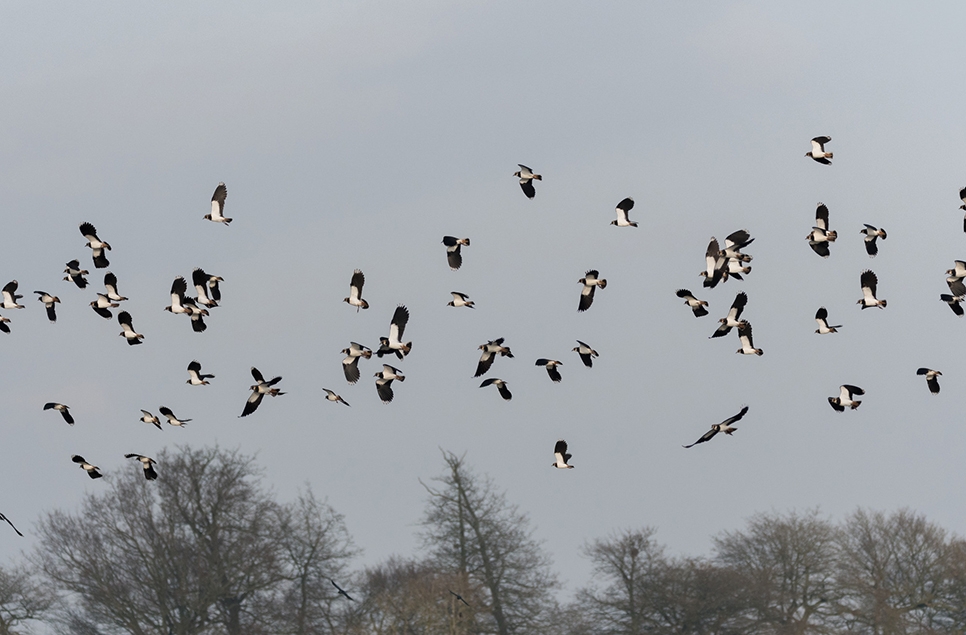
(22, 600)
(893, 572)
(473, 532)
(202, 550)
(786, 568)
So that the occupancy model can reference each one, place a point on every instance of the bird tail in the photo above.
(602, 284)
(538, 177)
(828, 155)
(882, 303)
(831, 236)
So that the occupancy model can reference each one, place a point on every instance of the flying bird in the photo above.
(590, 282)
(587, 354)
(147, 463)
(217, 214)
(458, 597)
(818, 150)
(75, 274)
(178, 290)
(355, 291)
(527, 177)
(820, 236)
(560, 455)
(501, 386)
(844, 400)
(50, 302)
(4, 518)
(869, 282)
(62, 409)
(331, 396)
(340, 590)
(956, 286)
(110, 284)
(732, 320)
(195, 376)
(92, 470)
(10, 296)
(725, 426)
(460, 299)
(623, 208)
(202, 281)
(97, 246)
(172, 419)
(715, 265)
(735, 242)
(931, 379)
(821, 316)
(394, 343)
(453, 256)
(871, 234)
(147, 417)
(259, 390)
(551, 366)
(490, 351)
(384, 379)
(103, 305)
(744, 336)
(350, 365)
(127, 329)
(697, 306)
(952, 301)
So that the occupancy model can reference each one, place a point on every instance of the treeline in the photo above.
(208, 550)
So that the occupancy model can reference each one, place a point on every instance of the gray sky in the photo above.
(358, 135)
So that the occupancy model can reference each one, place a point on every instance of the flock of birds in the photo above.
(721, 263)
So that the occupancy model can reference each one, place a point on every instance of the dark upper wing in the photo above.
(252, 404)
(486, 360)
(586, 297)
(706, 437)
(527, 186)
(454, 258)
(2, 517)
(560, 447)
(821, 314)
(179, 286)
(821, 216)
(737, 417)
(739, 239)
(350, 365)
(221, 193)
(88, 231)
(257, 375)
(358, 280)
(853, 390)
(450, 241)
(399, 319)
(626, 205)
(739, 304)
(869, 280)
(820, 248)
(124, 319)
(822, 140)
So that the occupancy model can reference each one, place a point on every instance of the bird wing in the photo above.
(218, 200)
(586, 297)
(454, 258)
(744, 334)
(89, 232)
(625, 206)
(166, 412)
(738, 306)
(124, 319)
(560, 447)
(739, 239)
(486, 360)
(398, 325)
(821, 216)
(384, 389)
(350, 366)
(525, 172)
(110, 283)
(252, 403)
(736, 418)
(257, 375)
(822, 314)
(849, 390)
(869, 282)
(356, 284)
(707, 436)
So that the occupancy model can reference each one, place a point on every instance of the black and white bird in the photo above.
(715, 265)
(845, 398)
(110, 284)
(62, 409)
(869, 281)
(952, 301)
(560, 455)
(397, 327)
(733, 319)
(197, 315)
(75, 274)
(697, 306)
(460, 299)
(350, 364)
(178, 290)
(147, 464)
(195, 376)
(820, 236)
(725, 426)
(92, 470)
(259, 390)
(7, 520)
(590, 281)
(623, 208)
(127, 329)
(147, 417)
(551, 366)
(384, 379)
(490, 351)
(744, 336)
(931, 379)
(821, 316)
(958, 270)
(214, 291)
(501, 386)
(340, 590)
(331, 396)
(217, 214)
(818, 150)
(355, 291)
(172, 419)
(98, 246)
(871, 234)
(956, 286)
(734, 243)
(736, 270)
(587, 354)
(201, 281)
(50, 302)
(103, 305)
(527, 177)
(453, 255)
(10, 296)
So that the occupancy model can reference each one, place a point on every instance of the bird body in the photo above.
(551, 366)
(147, 463)
(127, 329)
(394, 344)
(98, 246)
(871, 234)
(92, 470)
(869, 282)
(821, 317)
(50, 302)
(560, 456)
(103, 305)
(744, 336)
(623, 208)
(587, 354)
(384, 379)
(490, 351)
(75, 274)
(172, 419)
(10, 296)
(62, 409)
(331, 396)
(147, 417)
(460, 299)
(195, 376)
(501, 386)
(818, 150)
(725, 426)
(932, 380)
(217, 213)
(527, 177)
(259, 390)
(820, 236)
(733, 319)
(350, 364)
(845, 398)
(697, 306)
(453, 256)
(590, 281)
(355, 291)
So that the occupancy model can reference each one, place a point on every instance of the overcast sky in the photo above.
(357, 135)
